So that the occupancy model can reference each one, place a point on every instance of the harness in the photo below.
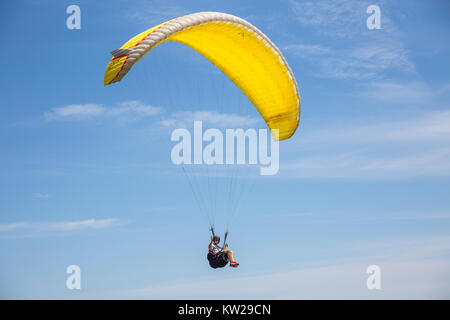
(218, 252)
(214, 255)
(217, 258)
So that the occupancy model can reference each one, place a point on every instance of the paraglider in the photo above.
(245, 55)
(219, 257)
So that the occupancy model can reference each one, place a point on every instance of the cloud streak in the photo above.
(410, 269)
(406, 148)
(40, 228)
(131, 110)
(353, 51)
(155, 12)
(223, 120)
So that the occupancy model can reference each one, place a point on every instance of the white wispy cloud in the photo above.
(356, 61)
(155, 12)
(307, 50)
(344, 217)
(131, 110)
(186, 119)
(386, 55)
(341, 165)
(39, 228)
(425, 127)
(418, 280)
(39, 195)
(413, 92)
(341, 18)
(80, 225)
(404, 148)
(410, 269)
(353, 51)
(13, 226)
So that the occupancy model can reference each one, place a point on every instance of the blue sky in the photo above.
(86, 177)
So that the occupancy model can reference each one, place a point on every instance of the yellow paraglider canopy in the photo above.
(236, 47)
